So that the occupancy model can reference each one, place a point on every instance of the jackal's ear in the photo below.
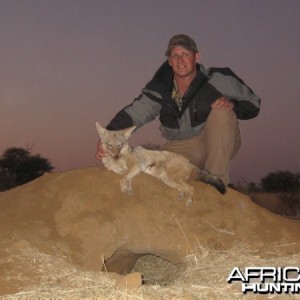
(101, 130)
(128, 131)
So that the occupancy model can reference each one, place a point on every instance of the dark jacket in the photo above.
(207, 86)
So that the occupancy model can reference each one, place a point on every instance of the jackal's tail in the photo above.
(213, 180)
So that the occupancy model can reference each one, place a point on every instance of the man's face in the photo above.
(183, 61)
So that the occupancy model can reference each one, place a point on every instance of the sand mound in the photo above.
(82, 217)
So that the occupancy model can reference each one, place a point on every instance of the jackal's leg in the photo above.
(186, 193)
(186, 190)
(125, 181)
(190, 189)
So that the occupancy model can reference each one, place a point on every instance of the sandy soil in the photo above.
(82, 217)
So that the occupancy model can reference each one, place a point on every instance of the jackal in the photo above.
(171, 168)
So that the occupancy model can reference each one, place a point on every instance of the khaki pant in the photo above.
(217, 144)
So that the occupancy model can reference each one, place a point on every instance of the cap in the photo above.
(182, 40)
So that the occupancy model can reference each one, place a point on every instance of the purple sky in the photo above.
(67, 63)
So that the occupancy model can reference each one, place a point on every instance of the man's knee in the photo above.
(222, 117)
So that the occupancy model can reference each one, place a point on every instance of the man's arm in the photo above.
(246, 103)
(141, 111)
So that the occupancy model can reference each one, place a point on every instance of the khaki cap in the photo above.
(182, 40)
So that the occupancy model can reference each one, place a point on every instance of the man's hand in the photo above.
(100, 151)
(222, 103)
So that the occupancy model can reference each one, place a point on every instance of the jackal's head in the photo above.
(115, 143)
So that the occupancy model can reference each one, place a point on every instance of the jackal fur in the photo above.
(171, 168)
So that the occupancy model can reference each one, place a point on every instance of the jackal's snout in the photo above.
(116, 156)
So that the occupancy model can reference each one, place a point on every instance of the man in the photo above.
(198, 108)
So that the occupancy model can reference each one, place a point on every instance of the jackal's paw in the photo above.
(126, 187)
(129, 193)
(189, 202)
(181, 196)
(123, 189)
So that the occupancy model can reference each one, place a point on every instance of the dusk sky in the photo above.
(67, 63)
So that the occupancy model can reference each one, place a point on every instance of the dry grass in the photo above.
(204, 276)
